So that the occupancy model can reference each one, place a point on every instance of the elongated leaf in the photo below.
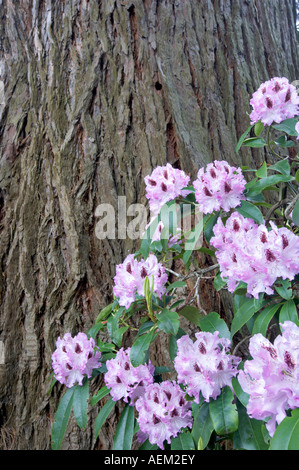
(224, 413)
(192, 241)
(286, 436)
(99, 395)
(80, 404)
(241, 140)
(176, 285)
(282, 166)
(209, 223)
(125, 429)
(250, 431)
(288, 126)
(263, 319)
(103, 415)
(258, 128)
(139, 348)
(295, 213)
(268, 181)
(244, 310)
(62, 417)
(212, 322)
(183, 441)
(250, 211)
(255, 142)
(288, 312)
(202, 424)
(284, 289)
(243, 397)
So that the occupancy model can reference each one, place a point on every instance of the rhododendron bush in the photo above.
(230, 385)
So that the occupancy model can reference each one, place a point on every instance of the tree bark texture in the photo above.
(95, 94)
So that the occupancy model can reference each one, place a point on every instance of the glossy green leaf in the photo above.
(263, 319)
(295, 214)
(244, 309)
(209, 222)
(80, 404)
(125, 429)
(202, 424)
(103, 415)
(212, 322)
(191, 313)
(62, 417)
(224, 413)
(255, 142)
(99, 395)
(250, 211)
(242, 138)
(258, 128)
(168, 321)
(286, 436)
(183, 441)
(140, 347)
(219, 283)
(284, 289)
(288, 312)
(267, 182)
(287, 126)
(262, 171)
(250, 431)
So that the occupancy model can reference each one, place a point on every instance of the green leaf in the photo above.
(295, 214)
(202, 424)
(242, 396)
(99, 395)
(125, 429)
(209, 223)
(244, 308)
(80, 404)
(250, 431)
(147, 238)
(224, 413)
(255, 142)
(250, 211)
(176, 285)
(288, 312)
(219, 283)
(266, 182)
(263, 319)
(62, 417)
(191, 313)
(262, 171)
(287, 126)
(140, 347)
(103, 415)
(286, 436)
(168, 321)
(283, 142)
(241, 140)
(173, 348)
(212, 322)
(284, 289)
(183, 441)
(104, 313)
(258, 128)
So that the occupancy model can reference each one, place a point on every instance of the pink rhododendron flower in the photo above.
(165, 184)
(274, 101)
(250, 253)
(125, 381)
(74, 358)
(163, 412)
(205, 366)
(271, 377)
(130, 277)
(220, 186)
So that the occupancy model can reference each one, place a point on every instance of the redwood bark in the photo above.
(95, 95)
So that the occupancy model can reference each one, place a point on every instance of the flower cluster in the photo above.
(220, 186)
(130, 277)
(250, 253)
(165, 184)
(163, 413)
(125, 381)
(74, 358)
(274, 101)
(271, 378)
(205, 366)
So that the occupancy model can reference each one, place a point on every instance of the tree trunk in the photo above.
(93, 95)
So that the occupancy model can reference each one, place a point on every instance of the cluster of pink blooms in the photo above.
(130, 277)
(274, 101)
(74, 358)
(250, 253)
(204, 366)
(163, 412)
(271, 378)
(165, 184)
(125, 381)
(221, 186)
